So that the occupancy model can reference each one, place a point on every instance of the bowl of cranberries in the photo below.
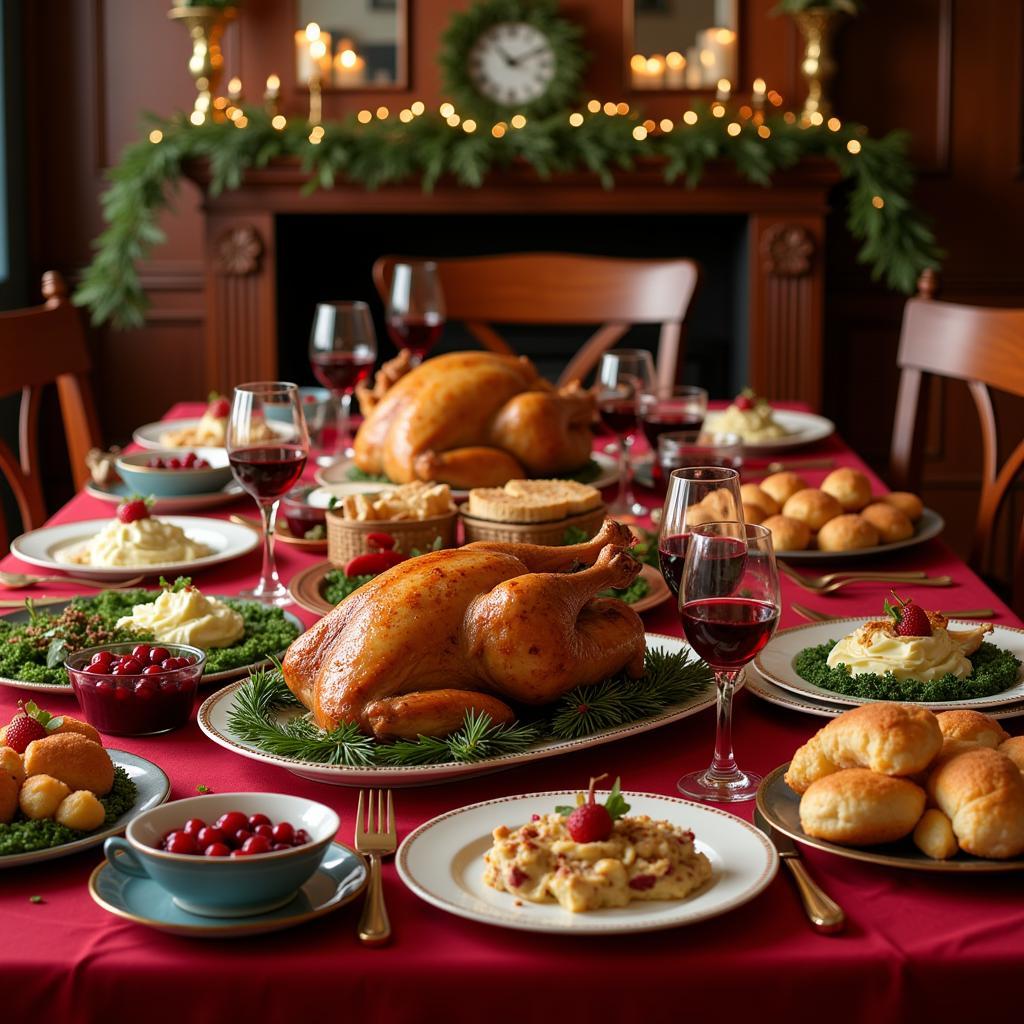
(172, 474)
(227, 854)
(136, 689)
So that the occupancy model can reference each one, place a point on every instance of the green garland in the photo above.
(668, 679)
(895, 241)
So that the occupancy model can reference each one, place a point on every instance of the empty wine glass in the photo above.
(729, 605)
(623, 376)
(415, 312)
(695, 495)
(342, 351)
(267, 461)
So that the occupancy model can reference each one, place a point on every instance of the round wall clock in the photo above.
(503, 57)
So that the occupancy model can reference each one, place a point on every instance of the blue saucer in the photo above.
(339, 880)
(116, 493)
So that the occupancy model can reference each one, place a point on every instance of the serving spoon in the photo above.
(17, 580)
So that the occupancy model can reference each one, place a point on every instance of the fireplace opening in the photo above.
(324, 258)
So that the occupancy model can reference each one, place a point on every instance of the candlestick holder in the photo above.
(205, 27)
(818, 26)
(315, 101)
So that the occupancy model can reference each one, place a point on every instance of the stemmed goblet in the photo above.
(415, 313)
(729, 604)
(342, 351)
(623, 376)
(267, 467)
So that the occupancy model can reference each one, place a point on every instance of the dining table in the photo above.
(916, 946)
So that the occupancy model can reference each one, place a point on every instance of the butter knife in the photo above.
(825, 915)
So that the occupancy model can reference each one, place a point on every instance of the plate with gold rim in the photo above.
(775, 663)
(781, 808)
(442, 862)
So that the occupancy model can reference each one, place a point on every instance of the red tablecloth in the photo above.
(917, 946)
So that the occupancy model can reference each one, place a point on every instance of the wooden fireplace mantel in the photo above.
(786, 238)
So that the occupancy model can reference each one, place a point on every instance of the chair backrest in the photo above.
(564, 288)
(40, 346)
(985, 348)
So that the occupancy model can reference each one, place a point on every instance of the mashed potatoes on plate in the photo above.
(187, 617)
(143, 542)
(756, 422)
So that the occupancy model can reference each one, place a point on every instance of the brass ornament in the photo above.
(206, 65)
(818, 27)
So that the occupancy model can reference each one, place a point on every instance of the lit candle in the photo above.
(638, 71)
(760, 89)
(723, 90)
(675, 70)
(235, 91)
(312, 53)
(722, 43)
(349, 67)
(655, 71)
(270, 96)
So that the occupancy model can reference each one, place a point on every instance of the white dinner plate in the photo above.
(226, 541)
(443, 863)
(338, 473)
(803, 428)
(930, 525)
(149, 434)
(115, 494)
(775, 663)
(153, 787)
(215, 712)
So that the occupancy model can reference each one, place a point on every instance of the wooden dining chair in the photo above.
(984, 347)
(565, 288)
(40, 346)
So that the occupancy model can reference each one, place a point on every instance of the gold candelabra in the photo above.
(205, 27)
(818, 27)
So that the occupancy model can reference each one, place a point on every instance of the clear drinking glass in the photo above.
(694, 448)
(623, 376)
(267, 461)
(342, 351)
(729, 605)
(682, 407)
(415, 312)
(695, 495)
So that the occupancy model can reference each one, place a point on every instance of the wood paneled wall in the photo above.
(950, 71)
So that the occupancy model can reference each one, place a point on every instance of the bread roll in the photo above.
(808, 765)
(753, 514)
(81, 810)
(933, 835)
(850, 487)
(756, 496)
(787, 534)
(782, 486)
(73, 759)
(1013, 748)
(893, 739)
(860, 808)
(69, 724)
(981, 791)
(892, 525)
(11, 764)
(847, 533)
(909, 504)
(815, 508)
(40, 796)
(972, 726)
(719, 504)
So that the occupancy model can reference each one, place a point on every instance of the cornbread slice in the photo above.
(580, 497)
(496, 504)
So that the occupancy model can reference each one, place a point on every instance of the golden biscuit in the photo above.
(757, 496)
(815, 508)
(972, 726)
(753, 514)
(73, 759)
(40, 796)
(850, 487)
(1013, 748)
(892, 525)
(787, 534)
(808, 765)
(847, 533)
(782, 486)
(890, 738)
(909, 504)
(934, 837)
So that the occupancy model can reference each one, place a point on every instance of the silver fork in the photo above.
(375, 838)
(818, 582)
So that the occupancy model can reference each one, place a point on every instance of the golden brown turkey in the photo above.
(470, 629)
(471, 419)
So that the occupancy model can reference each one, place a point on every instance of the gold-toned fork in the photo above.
(796, 465)
(970, 613)
(928, 581)
(376, 838)
(818, 582)
(18, 580)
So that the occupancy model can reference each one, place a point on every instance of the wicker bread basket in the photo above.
(550, 533)
(346, 538)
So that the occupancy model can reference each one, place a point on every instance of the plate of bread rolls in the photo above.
(898, 785)
(841, 519)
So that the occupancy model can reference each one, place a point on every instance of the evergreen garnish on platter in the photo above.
(256, 718)
(895, 241)
(995, 670)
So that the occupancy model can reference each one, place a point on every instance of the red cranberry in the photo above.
(174, 463)
(152, 670)
(104, 686)
(281, 846)
(211, 835)
(97, 669)
(283, 833)
(240, 837)
(130, 666)
(236, 853)
(301, 837)
(201, 464)
(193, 826)
(146, 689)
(232, 821)
(516, 877)
(168, 685)
(141, 651)
(102, 658)
(642, 882)
(189, 460)
(258, 819)
(217, 850)
(181, 842)
(264, 830)
(158, 655)
(256, 844)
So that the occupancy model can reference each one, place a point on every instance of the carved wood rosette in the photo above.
(241, 326)
(786, 301)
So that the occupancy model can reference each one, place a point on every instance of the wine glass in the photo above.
(267, 462)
(729, 605)
(342, 351)
(679, 449)
(695, 495)
(672, 408)
(622, 377)
(415, 311)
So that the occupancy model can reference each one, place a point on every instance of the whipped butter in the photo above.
(873, 649)
(187, 617)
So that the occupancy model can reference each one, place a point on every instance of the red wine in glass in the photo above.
(341, 371)
(722, 566)
(417, 334)
(728, 631)
(618, 415)
(661, 421)
(671, 558)
(268, 472)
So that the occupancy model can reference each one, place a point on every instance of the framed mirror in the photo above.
(352, 44)
(681, 44)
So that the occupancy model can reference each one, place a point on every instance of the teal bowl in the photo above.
(225, 886)
(315, 402)
(140, 477)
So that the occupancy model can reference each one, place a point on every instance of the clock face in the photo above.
(512, 63)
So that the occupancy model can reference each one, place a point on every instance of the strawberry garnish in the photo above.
(219, 407)
(591, 822)
(743, 403)
(909, 619)
(31, 723)
(132, 509)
